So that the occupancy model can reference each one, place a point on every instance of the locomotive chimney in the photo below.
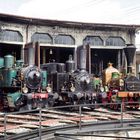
(31, 56)
(83, 58)
(129, 53)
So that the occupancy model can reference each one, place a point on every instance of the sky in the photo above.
(93, 11)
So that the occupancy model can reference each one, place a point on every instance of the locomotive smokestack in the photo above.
(31, 56)
(83, 58)
(129, 53)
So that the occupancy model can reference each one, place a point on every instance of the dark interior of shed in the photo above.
(12, 49)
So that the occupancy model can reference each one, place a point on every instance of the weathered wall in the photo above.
(28, 30)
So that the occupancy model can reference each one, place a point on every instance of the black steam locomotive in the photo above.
(68, 85)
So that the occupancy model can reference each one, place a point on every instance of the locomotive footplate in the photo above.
(128, 94)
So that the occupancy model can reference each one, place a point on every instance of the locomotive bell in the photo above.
(129, 53)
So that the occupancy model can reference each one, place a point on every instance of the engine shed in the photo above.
(59, 39)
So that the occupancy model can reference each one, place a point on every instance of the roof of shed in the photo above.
(68, 24)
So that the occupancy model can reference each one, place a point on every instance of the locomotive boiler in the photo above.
(122, 87)
(21, 86)
(68, 85)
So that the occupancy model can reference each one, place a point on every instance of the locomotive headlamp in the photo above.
(130, 94)
(104, 95)
(49, 89)
(93, 94)
(88, 80)
(25, 89)
(72, 89)
(102, 88)
(121, 82)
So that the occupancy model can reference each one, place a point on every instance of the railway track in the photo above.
(49, 121)
(50, 133)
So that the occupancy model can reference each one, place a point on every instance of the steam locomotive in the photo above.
(120, 87)
(68, 85)
(27, 86)
(21, 85)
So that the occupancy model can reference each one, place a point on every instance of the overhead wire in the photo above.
(81, 5)
(127, 13)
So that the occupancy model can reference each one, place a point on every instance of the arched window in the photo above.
(115, 41)
(10, 35)
(42, 38)
(64, 39)
(94, 40)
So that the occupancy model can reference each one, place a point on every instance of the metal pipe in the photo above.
(27, 32)
(94, 135)
(119, 59)
(5, 127)
(80, 117)
(40, 120)
(75, 57)
(44, 55)
(31, 56)
(83, 58)
(122, 106)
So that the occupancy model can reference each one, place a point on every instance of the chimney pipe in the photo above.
(129, 53)
(83, 58)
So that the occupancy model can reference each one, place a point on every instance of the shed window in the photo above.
(10, 35)
(64, 39)
(115, 41)
(42, 38)
(94, 40)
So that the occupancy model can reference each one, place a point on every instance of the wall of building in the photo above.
(28, 30)
(79, 35)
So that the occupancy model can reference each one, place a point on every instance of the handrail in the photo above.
(96, 105)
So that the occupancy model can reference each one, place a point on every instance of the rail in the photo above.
(79, 109)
